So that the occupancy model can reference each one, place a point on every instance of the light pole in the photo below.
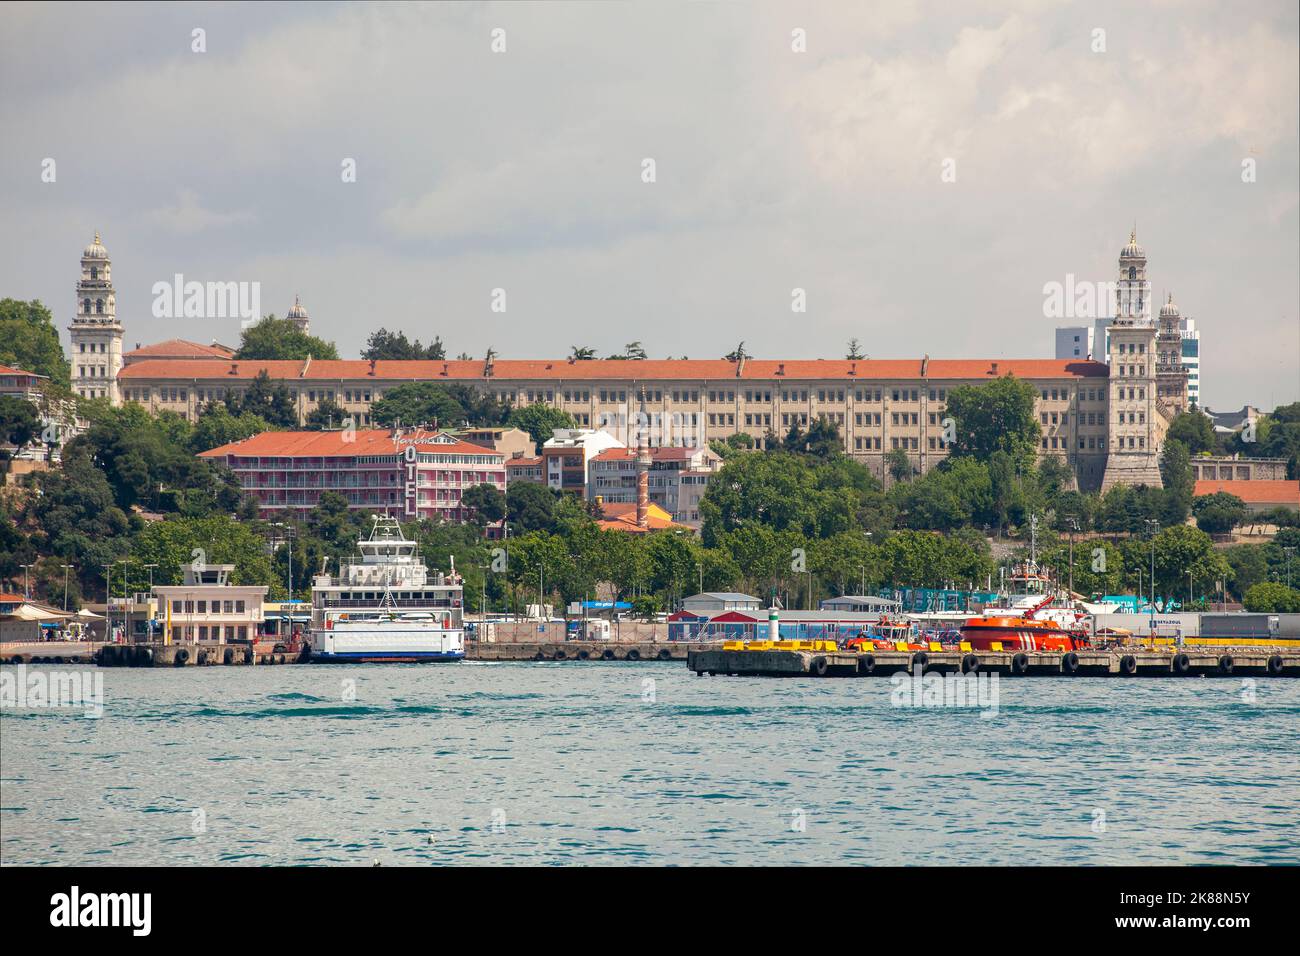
(108, 598)
(1154, 526)
(66, 568)
(1189, 588)
(1074, 526)
(1288, 552)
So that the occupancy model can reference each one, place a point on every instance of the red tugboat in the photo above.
(1024, 632)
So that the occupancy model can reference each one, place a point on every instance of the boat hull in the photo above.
(1018, 634)
(385, 643)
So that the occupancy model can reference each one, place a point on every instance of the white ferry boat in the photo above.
(386, 606)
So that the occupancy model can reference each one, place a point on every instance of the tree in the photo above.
(1176, 475)
(540, 420)
(386, 345)
(273, 338)
(633, 350)
(995, 416)
(19, 422)
(1194, 430)
(736, 355)
(1219, 513)
(785, 492)
(898, 465)
(529, 506)
(270, 401)
(486, 503)
(1270, 597)
(855, 351)
(327, 414)
(30, 341)
(582, 354)
(217, 427)
(413, 403)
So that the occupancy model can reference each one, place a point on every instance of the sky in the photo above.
(920, 170)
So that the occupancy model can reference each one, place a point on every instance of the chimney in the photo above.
(925, 365)
(234, 368)
(642, 473)
(740, 365)
(994, 369)
(372, 367)
(780, 368)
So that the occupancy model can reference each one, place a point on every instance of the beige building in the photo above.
(207, 608)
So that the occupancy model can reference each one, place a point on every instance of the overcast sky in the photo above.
(775, 170)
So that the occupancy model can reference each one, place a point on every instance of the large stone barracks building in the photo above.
(879, 405)
(1107, 420)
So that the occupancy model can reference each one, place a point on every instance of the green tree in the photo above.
(273, 338)
(327, 414)
(1269, 597)
(1195, 431)
(486, 503)
(1219, 513)
(540, 420)
(30, 341)
(529, 506)
(384, 345)
(995, 416)
(19, 422)
(412, 403)
(217, 427)
(582, 354)
(1176, 475)
(899, 465)
(269, 400)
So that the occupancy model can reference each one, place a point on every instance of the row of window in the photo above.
(180, 606)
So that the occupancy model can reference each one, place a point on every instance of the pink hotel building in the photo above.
(407, 474)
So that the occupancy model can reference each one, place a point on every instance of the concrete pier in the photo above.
(1190, 662)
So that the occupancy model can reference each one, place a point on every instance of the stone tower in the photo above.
(95, 332)
(298, 316)
(1133, 457)
(1171, 374)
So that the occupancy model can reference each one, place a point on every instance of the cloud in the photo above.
(187, 215)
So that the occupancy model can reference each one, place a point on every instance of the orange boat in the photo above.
(1021, 633)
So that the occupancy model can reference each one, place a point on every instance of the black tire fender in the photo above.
(1070, 663)
(1020, 664)
(1128, 665)
(970, 664)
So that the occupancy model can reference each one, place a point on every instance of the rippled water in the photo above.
(645, 763)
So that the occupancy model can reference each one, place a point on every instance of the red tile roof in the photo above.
(621, 516)
(181, 348)
(332, 444)
(658, 453)
(8, 370)
(1270, 492)
(688, 370)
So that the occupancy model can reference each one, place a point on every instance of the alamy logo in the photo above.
(179, 299)
(979, 689)
(103, 909)
(23, 688)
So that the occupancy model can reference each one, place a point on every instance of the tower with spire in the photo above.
(1135, 432)
(298, 316)
(1171, 374)
(95, 333)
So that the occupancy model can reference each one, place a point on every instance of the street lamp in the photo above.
(1154, 527)
(27, 591)
(66, 568)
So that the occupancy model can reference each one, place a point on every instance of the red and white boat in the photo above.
(1033, 619)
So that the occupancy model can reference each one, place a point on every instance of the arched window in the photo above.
(1132, 273)
(85, 307)
(99, 306)
(94, 273)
